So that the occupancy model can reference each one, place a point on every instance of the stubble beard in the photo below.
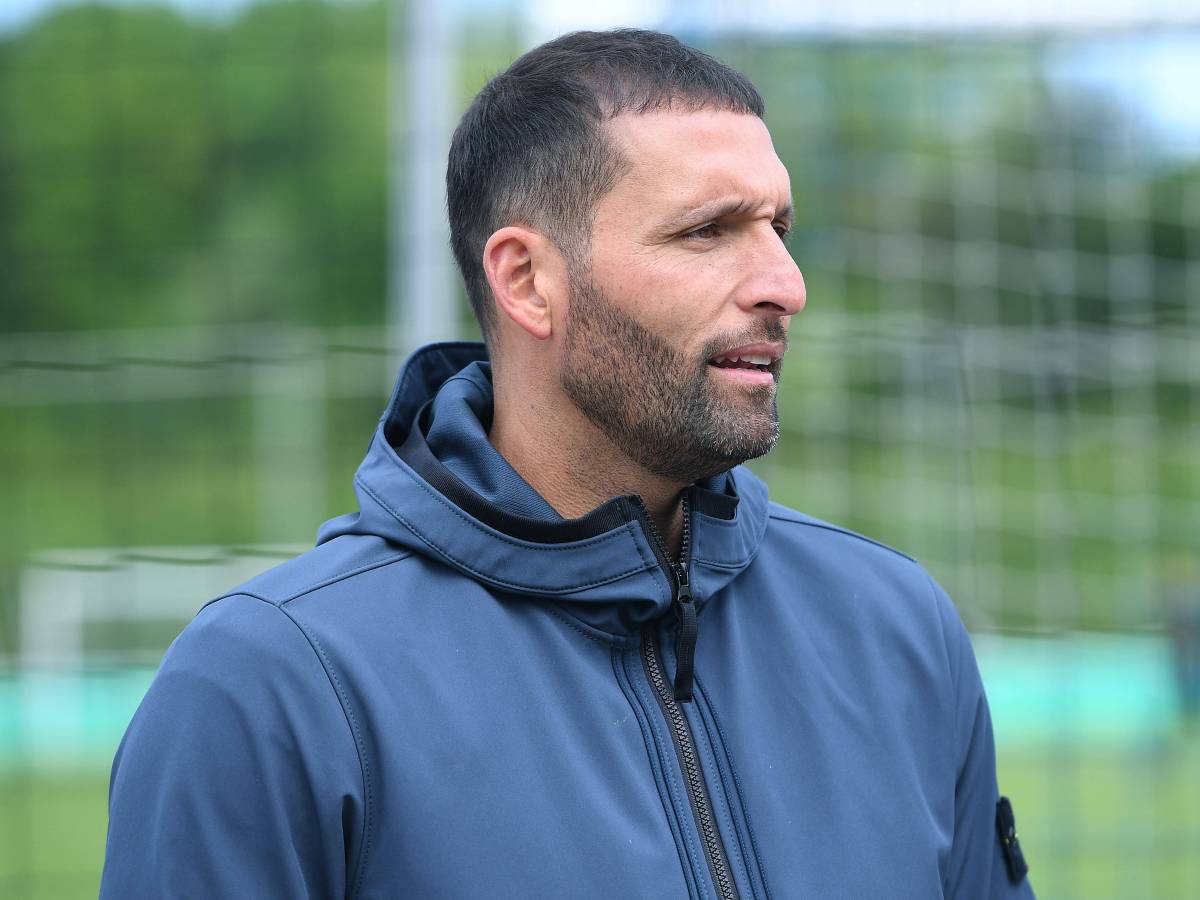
(661, 407)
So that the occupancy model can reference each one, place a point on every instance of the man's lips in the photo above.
(766, 353)
(750, 363)
(745, 376)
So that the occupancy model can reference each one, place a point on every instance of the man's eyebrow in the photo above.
(722, 207)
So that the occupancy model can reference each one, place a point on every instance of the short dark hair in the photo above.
(530, 148)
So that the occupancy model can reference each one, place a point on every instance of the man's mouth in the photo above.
(752, 363)
(761, 362)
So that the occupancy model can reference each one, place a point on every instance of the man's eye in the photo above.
(703, 233)
(781, 230)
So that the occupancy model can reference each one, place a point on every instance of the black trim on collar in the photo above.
(714, 504)
(601, 520)
(604, 518)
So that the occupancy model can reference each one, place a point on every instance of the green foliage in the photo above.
(159, 171)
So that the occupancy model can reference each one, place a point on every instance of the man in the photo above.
(567, 648)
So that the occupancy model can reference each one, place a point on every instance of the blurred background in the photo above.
(221, 226)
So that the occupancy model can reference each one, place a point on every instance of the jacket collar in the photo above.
(431, 481)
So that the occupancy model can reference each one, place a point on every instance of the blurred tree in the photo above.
(161, 171)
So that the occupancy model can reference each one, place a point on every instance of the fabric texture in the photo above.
(447, 698)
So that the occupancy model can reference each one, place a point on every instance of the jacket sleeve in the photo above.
(239, 775)
(978, 869)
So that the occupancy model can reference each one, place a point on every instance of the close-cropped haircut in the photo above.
(530, 149)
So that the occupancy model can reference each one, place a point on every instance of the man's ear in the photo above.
(525, 272)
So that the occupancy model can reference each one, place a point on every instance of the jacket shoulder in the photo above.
(242, 736)
(893, 585)
(849, 540)
(337, 560)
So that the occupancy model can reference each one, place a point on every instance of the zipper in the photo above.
(682, 602)
(670, 697)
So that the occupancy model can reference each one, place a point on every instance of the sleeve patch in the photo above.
(1006, 829)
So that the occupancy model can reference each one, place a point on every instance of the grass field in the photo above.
(1119, 824)
(52, 834)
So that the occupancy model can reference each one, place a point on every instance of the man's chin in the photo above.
(743, 440)
(753, 406)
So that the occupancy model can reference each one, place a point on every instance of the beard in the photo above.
(659, 405)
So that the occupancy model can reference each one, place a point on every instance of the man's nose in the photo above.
(777, 287)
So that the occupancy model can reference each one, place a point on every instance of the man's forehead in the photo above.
(689, 158)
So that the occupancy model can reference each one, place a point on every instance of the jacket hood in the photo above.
(432, 482)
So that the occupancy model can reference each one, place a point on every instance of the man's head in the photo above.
(616, 208)
(531, 148)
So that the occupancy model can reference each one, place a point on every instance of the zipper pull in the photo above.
(685, 644)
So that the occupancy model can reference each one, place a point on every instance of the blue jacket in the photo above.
(458, 694)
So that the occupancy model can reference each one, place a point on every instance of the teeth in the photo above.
(755, 359)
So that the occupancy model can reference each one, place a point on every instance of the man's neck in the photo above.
(575, 467)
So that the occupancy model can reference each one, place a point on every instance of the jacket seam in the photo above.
(317, 585)
(568, 620)
(711, 563)
(842, 531)
(349, 573)
(728, 815)
(352, 724)
(610, 639)
(737, 787)
(952, 667)
(581, 626)
(708, 753)
(664, 747)
(493, 579)
(651, 745)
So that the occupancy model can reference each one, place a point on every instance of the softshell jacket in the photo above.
(459, 694)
